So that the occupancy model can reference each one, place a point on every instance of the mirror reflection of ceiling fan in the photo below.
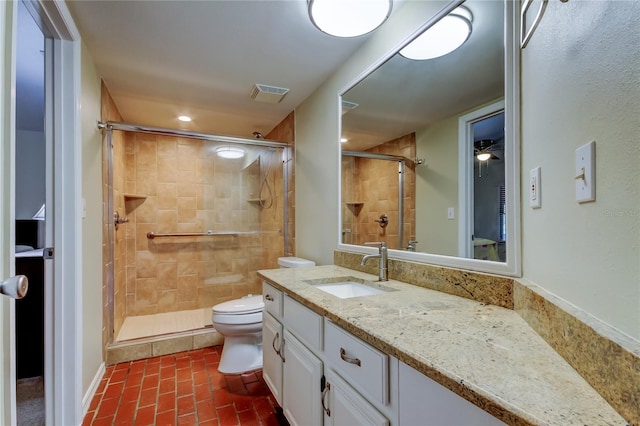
(485, 149)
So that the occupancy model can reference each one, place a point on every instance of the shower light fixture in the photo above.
(483, 156)
(184, 118)
(445, 36)
(348, 18)
(230, 152)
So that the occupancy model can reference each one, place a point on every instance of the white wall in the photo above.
(581, 82)
(318, 133)
(92, 223)
(437, 187)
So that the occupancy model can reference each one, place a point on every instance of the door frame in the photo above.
(465, 174)
(63, 307)
(8, 18)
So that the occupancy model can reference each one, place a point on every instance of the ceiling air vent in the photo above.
(348, 106)
(269, 94)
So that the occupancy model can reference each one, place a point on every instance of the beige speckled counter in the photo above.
(486, 354)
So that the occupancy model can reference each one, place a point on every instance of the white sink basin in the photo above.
(347, 289)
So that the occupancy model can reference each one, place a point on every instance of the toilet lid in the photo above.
(245, 305)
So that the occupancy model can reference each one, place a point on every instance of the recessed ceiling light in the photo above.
(229, 152)
(184, 118)
(445, 36)
(348, 18)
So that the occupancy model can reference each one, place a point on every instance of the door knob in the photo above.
(15, 287)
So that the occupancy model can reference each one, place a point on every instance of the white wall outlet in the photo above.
(535, 200)
(451, 213)
(585, 173)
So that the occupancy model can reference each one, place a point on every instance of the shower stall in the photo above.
(378, 199)
(189, 220)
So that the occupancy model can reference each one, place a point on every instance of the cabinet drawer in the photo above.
(365, 367)
(305, 324)
(272, 298)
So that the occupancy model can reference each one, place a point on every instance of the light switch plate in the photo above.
(451, 213)
(534, 188)
(585, 173)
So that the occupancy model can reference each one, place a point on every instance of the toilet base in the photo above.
(241, 354)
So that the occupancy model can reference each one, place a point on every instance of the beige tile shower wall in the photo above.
(376, 185)
(115, 302)
(272, 219)
(182, 186)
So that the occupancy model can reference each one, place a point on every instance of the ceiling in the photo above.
(160, 59)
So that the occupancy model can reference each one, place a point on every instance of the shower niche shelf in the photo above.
(133, 201)
(128, 197)
(355, 206)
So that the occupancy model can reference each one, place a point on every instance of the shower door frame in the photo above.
(109, 126)
(401, 166)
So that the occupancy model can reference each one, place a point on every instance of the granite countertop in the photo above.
(487, 354)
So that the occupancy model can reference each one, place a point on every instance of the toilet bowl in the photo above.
(240, 323)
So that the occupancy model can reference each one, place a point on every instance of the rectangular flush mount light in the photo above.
(268, 94)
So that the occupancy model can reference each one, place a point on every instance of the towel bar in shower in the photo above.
(152, 235)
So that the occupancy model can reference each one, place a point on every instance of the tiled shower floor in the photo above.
(165, 323)
(182, 389)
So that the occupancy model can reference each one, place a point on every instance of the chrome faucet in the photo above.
(412, 245)
(383, 265)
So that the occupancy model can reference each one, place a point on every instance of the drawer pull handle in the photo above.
(268, 297)
(273, 344)
(281, 351)
(325, 392)
(345, 358)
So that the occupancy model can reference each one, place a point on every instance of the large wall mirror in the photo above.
(430, 158)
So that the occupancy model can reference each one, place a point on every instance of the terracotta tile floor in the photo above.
(181, 389)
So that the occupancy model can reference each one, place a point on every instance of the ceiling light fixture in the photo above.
(230, 152)
(344, 140)
(484, 156)
(348, 18)
(184, 118)
(445, 36)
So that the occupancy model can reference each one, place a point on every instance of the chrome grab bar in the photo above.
(152, 235)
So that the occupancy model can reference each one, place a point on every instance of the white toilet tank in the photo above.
(294, 262)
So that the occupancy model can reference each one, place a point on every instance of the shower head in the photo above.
(258, 135)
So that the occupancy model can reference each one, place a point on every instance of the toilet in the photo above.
(240, 323)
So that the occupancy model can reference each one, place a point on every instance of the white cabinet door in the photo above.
(272, 363)
(426, 402)
(301, 383)
(345, 407)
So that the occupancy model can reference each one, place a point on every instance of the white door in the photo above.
(8, 18)
(63, 357)
(301, 384)
(272, 363)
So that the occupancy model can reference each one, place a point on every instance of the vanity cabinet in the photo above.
(292, 366)
(321, 374)
(425, 402)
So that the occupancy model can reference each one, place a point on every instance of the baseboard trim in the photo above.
(93, 387)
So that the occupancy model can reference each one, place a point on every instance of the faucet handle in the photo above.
(380, 244)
